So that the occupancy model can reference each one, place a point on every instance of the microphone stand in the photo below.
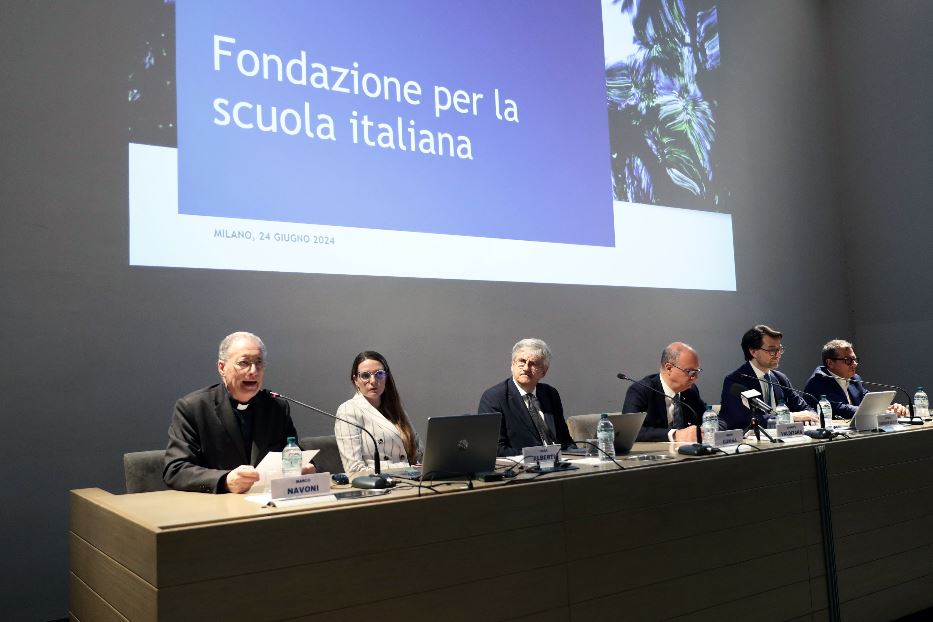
(753, 403)
(822, 433)
(377, 480)
(910, 400)
(692, 449)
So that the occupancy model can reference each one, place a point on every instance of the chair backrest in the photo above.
(328, 458)
(142, 470)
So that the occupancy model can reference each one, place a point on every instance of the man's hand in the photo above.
(686, 435)
(308, 470)
(807, 416)
(899, 409)
(242, 478)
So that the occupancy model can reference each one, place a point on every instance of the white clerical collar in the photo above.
(242, 406)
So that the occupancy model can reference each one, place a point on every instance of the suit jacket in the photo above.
(823, 383)
(205, 443)
(736, 415)
(356, 448)
(518, 429)
(640, 399)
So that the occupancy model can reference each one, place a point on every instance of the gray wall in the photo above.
(883, 61)
(97, 351)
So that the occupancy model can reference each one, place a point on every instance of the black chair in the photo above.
(328, 458)
(142, 470)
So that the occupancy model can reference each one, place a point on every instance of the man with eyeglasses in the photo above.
(837, 379)
(667, 418)
(532, 413)
(220, 433)
(761, 346)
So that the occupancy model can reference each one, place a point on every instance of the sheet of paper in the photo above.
(270, 467)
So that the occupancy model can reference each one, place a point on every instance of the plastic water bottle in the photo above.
(605, 438)
(291, 458)
(825, 408)
(921, 404)
(782, 413)
(710, 426)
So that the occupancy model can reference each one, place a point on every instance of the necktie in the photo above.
(766, 380)
(677, 421)
(531, 403)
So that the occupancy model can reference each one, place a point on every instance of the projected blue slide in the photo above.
(546, 141)
(478, 125)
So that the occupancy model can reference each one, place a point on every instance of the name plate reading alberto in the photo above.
(544, 455)
(727, 437)
(301, 486)
(789, 429)
(888, 422)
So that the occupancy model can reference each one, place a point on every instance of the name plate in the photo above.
(727, 437)
(302, 486)
(544, 455)
(790, 429)
(888, 422)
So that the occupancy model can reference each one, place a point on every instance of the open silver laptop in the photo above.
(873, 404)
(626, 426)
(457, 446)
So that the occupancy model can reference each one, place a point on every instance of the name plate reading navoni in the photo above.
(543, 455)
(727, 437)
(888, 422)
(789, 429)
(301, 486)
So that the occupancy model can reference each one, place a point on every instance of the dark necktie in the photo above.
(766, 379)
(531, 402)
(677, 419)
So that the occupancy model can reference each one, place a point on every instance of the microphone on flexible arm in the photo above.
(910, 400)
(821, 433)
(363, 481)
(693, 449)
(751, 400)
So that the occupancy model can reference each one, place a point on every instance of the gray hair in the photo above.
(535, 346)
(671, 354)
(224, 348)
(831, 349)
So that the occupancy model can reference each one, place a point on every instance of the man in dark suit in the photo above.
(667, 418)
(837, 379)
(762, 348)
(532, 413)
(220, 433)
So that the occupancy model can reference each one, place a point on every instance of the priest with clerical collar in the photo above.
(220, 433)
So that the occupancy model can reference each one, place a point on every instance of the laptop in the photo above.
(457, 446)
(873, 404)
(625, 425)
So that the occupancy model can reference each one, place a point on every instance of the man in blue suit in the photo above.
(837, 379)
(761, 346)
(532, 413)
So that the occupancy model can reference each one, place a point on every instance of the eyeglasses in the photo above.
(691, 373)
(379, 375)
(533, 364)
(773, 351)
(246, 364)
(848, 360)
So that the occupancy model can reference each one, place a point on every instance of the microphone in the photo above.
(910, 400)
(693, 449)
(363, 481)
(821, 433)
(750, 399)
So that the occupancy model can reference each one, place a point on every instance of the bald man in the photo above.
(668, 420)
